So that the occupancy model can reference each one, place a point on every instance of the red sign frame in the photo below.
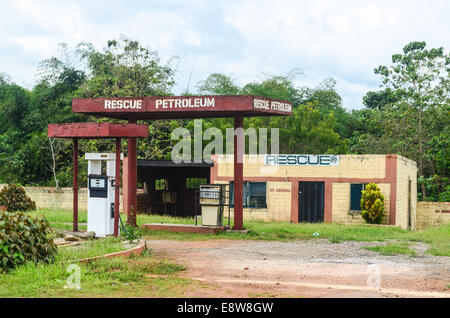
(174, 107)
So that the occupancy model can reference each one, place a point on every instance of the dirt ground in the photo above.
(307, 268)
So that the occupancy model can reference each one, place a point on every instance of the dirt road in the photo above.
(307, 268)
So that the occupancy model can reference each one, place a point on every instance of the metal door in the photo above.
(311, 201)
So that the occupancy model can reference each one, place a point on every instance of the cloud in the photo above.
(343, 39)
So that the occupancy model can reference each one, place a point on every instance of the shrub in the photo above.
(15, 199)
(24, 238)
(372, 204)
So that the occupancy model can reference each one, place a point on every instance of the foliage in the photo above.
(15, 199)
(24, 238)
(372, 204)
(410, 116)
(124, 69)
(317, 117)
(130, 232)
(381, 99)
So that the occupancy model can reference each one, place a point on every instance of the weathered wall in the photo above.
(341, 204)
(432, 214)
(57, 198)
(278, 204)
(406, 190)
(350, 166)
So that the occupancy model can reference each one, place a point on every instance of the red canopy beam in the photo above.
(97, 131)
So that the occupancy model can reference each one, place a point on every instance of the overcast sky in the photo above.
(343, 39)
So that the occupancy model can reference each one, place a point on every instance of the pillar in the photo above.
(75, 184)
(117, 189)
(238, 172)
(132, 179)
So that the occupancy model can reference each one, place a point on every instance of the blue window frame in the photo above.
(355, 195)
(254, 195)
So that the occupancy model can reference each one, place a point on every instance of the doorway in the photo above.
(311, 197)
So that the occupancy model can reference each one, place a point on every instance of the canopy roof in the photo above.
(97, 130)
(176, 107)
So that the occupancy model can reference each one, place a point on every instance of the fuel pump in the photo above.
(101, 193)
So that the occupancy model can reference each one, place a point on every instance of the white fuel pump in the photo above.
(101, 193)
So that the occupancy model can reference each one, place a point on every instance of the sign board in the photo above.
(301, 160)
(162, 107)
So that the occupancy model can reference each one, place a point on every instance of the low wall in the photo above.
(432, 214)
(58, 198)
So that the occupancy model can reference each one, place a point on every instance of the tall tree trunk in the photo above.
(421, 154)
(53, 166)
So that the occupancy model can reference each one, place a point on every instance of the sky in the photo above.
(246, 39)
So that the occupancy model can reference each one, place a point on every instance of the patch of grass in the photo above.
(117, 277)
(393, 249)
(90, 249)
(60, 216)
(146, 218)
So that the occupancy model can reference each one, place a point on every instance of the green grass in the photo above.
(143, 276)
(90, 249)
(393, 249)
(438, 238)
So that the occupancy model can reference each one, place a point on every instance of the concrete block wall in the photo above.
(58, 198)
(432, 214)
(406, 193)
(341, 204)
(278, 195)
(350, 166)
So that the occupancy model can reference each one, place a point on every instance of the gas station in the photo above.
(131, 109)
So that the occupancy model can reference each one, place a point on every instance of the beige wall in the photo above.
(278, 204)
(432, 214)
(406, 201)
(341, 204)
(350, 166)
(57, 198)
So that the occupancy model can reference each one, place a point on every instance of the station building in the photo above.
(294, 188)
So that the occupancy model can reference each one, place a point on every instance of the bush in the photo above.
(372, 204)
(24, 238)
(15, 199)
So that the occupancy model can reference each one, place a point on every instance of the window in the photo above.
(161, 184)
(194, 183)
(355, 196)
(254, 195)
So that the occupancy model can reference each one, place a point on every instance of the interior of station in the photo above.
(168, 188)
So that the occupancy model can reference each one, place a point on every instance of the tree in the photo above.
(313, 126)
(381, 99)
(415, 103)
(125, 69)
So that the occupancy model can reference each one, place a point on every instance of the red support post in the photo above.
(132, 179)
(238, 172)
(117, 189)
(75, 184)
